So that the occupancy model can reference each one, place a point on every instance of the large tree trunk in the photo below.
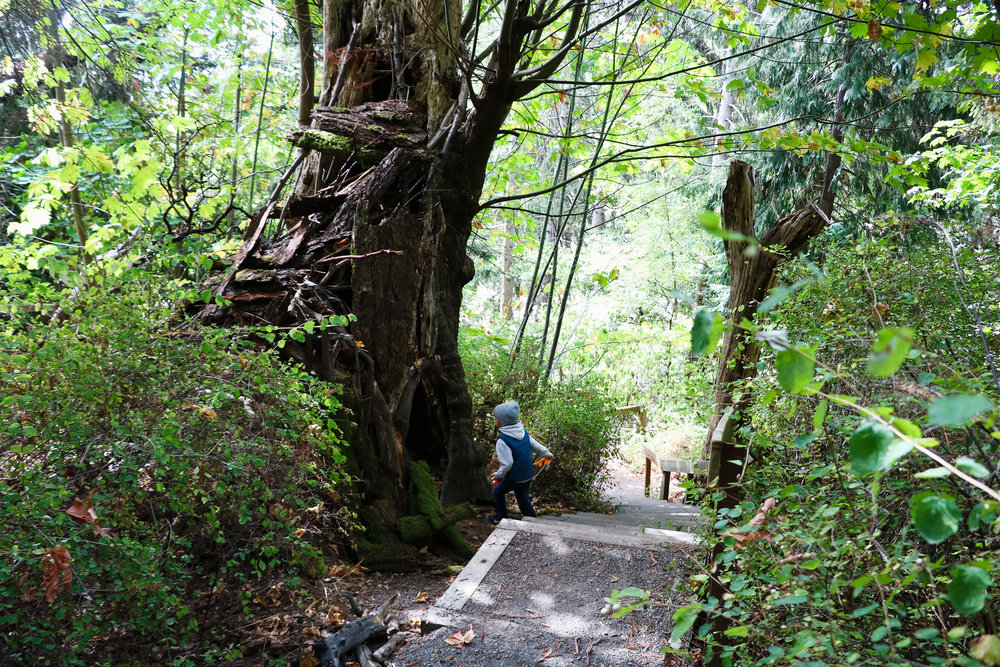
(393, 168)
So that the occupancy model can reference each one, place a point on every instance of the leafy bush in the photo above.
(573, 419)
(853, 546)
(148, 473)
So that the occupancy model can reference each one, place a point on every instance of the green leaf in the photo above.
(738, 631)
(972, 467)
(897, 450)
(780, 293)
(864, 611)
(820, 417)
(889, 351)
(791, 599)
(957, 410)
(795, 369)
(706, 332)
(906, 427)
(684, 619)
(869, 447)
(933, 473)
(712, 223)
(309, 326)
(29, 431)
(967, 589)
(634, 592)
(936, 516)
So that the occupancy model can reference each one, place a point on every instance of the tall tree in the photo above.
(411, 105)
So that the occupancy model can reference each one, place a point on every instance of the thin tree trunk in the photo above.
(236, 133)
(66, 138)
(307, 63)
(181, 111)
(507, 293)
(260, 117)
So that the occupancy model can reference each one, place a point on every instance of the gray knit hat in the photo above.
(508, 413)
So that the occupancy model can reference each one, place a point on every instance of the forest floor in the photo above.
(283, 623)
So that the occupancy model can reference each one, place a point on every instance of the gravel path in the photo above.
(541, 603)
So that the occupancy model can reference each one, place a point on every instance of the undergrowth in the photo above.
(150, 477)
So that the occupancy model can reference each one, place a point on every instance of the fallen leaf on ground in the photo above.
(460, 639)
(83, 510)
(308, 660)
(421, 597)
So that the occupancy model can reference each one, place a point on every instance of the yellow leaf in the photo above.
(876, 83)
(421, 597)
(925, 58)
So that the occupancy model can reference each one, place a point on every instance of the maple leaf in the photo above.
(460, 639)
(874, 30)
(56, 571)
(925, 58)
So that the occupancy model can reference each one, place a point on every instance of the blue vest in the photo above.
(523, 469)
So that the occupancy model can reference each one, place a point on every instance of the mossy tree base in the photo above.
(431, 522)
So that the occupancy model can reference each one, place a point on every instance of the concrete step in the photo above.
(679, 521)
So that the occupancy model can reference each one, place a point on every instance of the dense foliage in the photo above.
(853, 544)
(152, 475)
(145, 463)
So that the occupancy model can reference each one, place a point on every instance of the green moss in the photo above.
(415, 530)
(440, 521)
(325, 142)
(424, 495)
(255, 275)
(451, 537)
(388, 556)
(456, 513)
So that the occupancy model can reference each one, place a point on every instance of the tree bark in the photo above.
(752, 272)
(307, 63)
(378, 228)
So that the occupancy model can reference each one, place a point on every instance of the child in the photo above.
(514, 452)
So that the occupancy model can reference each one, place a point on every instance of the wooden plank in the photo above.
(472, 574)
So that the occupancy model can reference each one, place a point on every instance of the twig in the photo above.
(334, 258)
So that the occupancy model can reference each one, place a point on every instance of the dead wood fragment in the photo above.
(354, 634)
(390, 647)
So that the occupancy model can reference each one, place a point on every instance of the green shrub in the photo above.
(873, 553)
(168, 464)
(574, 419)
